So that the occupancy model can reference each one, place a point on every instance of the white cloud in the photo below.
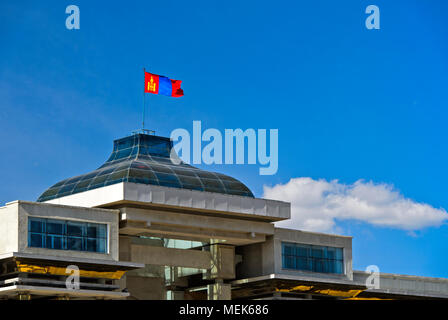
(316, 205)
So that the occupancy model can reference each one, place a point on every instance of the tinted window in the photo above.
(67, 235)
(312, 258)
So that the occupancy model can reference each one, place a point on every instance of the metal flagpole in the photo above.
(144, 98)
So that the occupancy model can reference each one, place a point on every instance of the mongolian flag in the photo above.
(162, 85)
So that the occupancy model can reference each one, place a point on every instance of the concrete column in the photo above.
(223, 262)
(219, 291)
(175, 295)
(24, 296)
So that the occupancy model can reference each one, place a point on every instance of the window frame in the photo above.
(314, 264)
(84, 238)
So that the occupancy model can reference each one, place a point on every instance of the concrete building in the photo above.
(143, 227)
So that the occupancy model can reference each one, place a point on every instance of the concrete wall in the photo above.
(257, 259)
(222, 258)
(147, 283)
(406, 285)
(9, 228)
(16, 227)
(145, 288)
(312, 238)
(266, 258)
(226, 205)
(192, 226)
(170, 257)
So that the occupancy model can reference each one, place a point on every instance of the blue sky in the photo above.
(349, 103)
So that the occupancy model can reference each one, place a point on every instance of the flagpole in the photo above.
(144, 98)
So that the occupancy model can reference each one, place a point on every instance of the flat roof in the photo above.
(114, 211)
(320, 280)
(86, 261)
(45, 291)
(128, 193)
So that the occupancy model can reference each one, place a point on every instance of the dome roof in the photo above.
(145, 159)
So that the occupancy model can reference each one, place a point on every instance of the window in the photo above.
(67, 235)
(312, 258)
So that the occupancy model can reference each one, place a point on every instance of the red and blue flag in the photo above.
(162, 85)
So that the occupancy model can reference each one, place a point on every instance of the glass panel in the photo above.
(184, 172)
(140, 165)
(102, 231)
(150, 154)
(339, 255)
(55, 227)
(303, 251)
(36, 225)
(96, 245)
(319, 265)
(92, 245)
(74, 243)
(168, 180)
(289, 262)
(101, 245)
(288, 250)
(212, 183)
(331, 253)
(99, 179)
(324, 252)
(36, 240)
(50, 192)
(330, 266)
(107, 171)
(96, 230)
(134, 151)
(302, 263)
(234, 186)
(124, 143)
(163, 169)
(89, 176)
(67, 235)
(92, 230)
(312, 258)
(339, 267)
(193, 181)
(138, 173)
(76, 229)
(205, 174)
(118, 175)
(55, 242)
(59, 183)
(317, 252)
(83, 184)
(73, 180)
(66, 188)
(123, 154)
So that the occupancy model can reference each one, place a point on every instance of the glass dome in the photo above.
(143, 158)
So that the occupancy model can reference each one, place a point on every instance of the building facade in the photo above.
(144, 227)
